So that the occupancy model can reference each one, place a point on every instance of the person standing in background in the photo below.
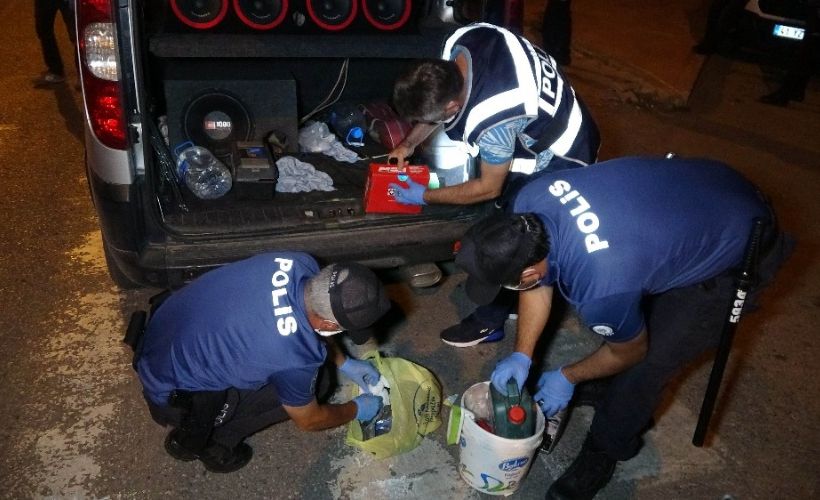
(802, 63)
(45, 12)
(556, 30)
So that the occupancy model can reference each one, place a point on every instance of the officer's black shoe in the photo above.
(591, 471)
(176, 450)
(217, 458)
(470, 332)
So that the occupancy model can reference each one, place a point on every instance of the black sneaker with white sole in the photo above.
(471, 332)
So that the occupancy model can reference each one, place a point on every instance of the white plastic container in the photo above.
(489, 463)
(451, 161)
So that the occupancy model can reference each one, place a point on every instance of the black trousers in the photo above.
(806, 55)
(682, 324)
(227, 417)
(556, 30)
(45, 12)
(721, 20)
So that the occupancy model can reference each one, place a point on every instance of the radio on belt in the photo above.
(378, 196)
(255, 175)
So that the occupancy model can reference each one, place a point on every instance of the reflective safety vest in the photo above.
(513, 79)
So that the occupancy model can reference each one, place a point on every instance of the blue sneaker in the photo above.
(470, 332)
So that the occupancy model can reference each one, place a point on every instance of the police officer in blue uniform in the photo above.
(510, 104)
(644, 250)
(243, 347)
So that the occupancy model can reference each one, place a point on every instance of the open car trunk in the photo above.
(259, 82)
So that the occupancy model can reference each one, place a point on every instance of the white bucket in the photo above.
(491, 464)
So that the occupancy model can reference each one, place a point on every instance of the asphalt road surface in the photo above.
(75, 424)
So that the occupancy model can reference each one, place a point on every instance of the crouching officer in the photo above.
(644, 249)
(242, 347)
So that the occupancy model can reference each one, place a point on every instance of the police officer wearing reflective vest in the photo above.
(244, 346)
(507, 101)
(644, 250)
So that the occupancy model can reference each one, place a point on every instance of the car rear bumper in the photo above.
(174, 263)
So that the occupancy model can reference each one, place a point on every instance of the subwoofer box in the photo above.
(217, 105)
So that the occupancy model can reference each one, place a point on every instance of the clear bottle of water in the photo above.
(202, 172)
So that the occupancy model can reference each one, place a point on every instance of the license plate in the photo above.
(784, 31)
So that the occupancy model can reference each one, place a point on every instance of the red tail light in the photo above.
(100, 72)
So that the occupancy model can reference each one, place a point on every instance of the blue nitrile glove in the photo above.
(411, 195)
(361, 372)
(554, 392)
(516, 365)
(367, 407)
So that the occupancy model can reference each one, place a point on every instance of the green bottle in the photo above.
(513, 413)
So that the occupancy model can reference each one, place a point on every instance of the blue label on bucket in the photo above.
(513, 463)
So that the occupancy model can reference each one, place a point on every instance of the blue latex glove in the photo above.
(367, 407)
(361, 372)
(554, 392)
(411, 195)
(516, 365)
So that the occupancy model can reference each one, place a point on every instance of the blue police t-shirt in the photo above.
(626, 228)
(242, 325)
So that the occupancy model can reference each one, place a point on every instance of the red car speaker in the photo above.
(332, 15)
(387, 15)
(200, 14)
(261, 14)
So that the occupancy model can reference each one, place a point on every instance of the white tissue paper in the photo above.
(382, 389)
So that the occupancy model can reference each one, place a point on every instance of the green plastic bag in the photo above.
(415, 399)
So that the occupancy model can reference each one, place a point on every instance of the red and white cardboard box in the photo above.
(378, 195)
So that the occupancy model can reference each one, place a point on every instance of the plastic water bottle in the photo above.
(202, 172)
(513, 413)
(348, 121)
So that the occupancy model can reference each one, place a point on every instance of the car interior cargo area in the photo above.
(293, 117)
(235, 212)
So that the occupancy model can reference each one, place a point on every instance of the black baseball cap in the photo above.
(357, 299)
(493, 252)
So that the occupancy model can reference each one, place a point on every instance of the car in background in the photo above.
(156, 73)
(772, 27)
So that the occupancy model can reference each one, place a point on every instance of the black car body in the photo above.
(145, 62)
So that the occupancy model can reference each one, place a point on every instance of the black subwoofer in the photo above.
(387, 15)
(332, 15)
(261, 14)
(217, 110)
(200, 14)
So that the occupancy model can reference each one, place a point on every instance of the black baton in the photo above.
(745, 279)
